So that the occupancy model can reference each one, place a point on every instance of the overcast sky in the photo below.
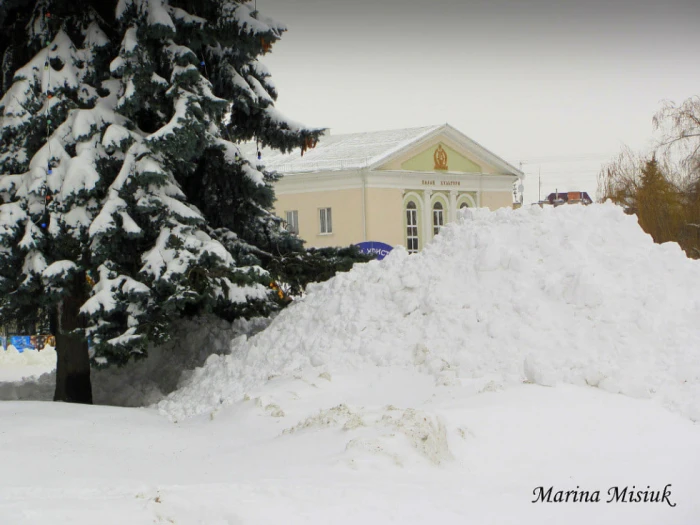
(559, 86)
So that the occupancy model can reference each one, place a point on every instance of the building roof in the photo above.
(361, 150)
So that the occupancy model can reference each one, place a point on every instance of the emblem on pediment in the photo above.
(440, 157)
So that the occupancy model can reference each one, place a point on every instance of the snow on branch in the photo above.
(34, 265)
(248, 20)
(177, 250)
(32, 236)
(104, 223)
(106, 289)
(94, 37)
(185, 18)
(278, 118)
(155, 12)
(58, 273)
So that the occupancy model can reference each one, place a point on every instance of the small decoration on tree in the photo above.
(309, 143)
(44, 221)
(266, 46)
(280, 293)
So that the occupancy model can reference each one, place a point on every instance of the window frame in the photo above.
(325, 216)
(438, 212)
(292, 225)
(412, 241)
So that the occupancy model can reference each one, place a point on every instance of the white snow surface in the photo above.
(577, 295)
(382, 446)
(399, 392)
(16, 366)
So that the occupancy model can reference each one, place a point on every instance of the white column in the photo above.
(427, 217)
(478, 193)
(453, 206)
(363, 174)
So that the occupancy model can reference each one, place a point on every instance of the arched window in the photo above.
(438, 217)
(411, 227)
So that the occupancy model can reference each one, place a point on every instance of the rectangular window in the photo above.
(412, 230)
(293, 221)
(326, 223)
(438, 221)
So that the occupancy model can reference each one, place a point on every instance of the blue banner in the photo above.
(379, 249)
(22, 342)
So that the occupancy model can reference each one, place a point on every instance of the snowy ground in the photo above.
(538, 348)
(379, 446)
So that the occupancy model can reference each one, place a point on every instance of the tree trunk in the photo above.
(72, 360)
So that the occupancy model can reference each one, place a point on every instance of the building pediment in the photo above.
(440, 157)
(445, 150)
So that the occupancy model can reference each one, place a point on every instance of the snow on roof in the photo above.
(340, 152)
(366, 150)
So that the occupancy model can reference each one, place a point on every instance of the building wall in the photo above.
(385, 213)
(497, 199)
(384, 216)
(346, 213)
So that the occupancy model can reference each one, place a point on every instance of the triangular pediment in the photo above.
(445, 150)
(441, 157)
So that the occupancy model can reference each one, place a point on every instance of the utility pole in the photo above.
(520, 187)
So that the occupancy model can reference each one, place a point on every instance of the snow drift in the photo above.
(18, 368)
(139, 383)
(28, 358)
(574, 294)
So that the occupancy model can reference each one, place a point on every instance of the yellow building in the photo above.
(397, 187)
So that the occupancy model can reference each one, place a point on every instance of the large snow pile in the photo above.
(574, 294)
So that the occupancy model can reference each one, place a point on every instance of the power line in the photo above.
(566, 158)
(565, 172)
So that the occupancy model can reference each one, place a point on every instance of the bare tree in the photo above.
(679, 127)
(620, 179)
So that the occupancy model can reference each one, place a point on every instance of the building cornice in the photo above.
(394, 179)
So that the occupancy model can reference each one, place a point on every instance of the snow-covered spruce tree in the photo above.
(118, 124)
